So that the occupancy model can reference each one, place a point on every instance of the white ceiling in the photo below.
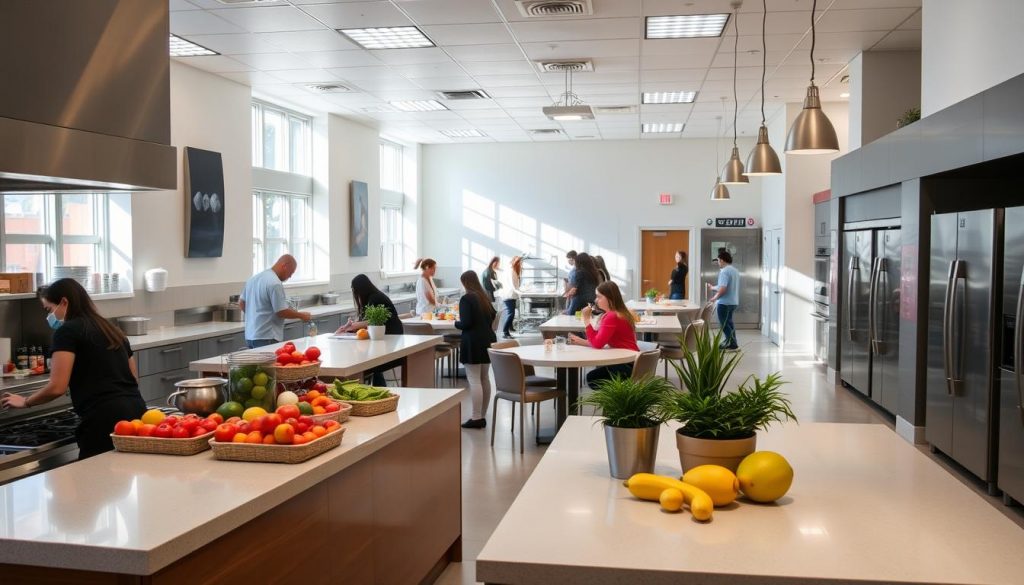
(276, 46)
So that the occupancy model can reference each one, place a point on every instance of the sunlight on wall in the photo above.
(555, 242)
(478, 213)
(615, 262)
(475, 256)
(517, 231)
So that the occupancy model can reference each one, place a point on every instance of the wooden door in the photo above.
(657, 259)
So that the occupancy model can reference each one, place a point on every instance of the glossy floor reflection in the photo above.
(492, 477)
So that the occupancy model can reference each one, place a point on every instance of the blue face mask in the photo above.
(53, 321)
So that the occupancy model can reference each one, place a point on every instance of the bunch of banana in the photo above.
(671, 494)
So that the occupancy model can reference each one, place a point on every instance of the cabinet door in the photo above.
(293, 330)
(165, 358)
(156, 387)
(214, 346)
(328, 323)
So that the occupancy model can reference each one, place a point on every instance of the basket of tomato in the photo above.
(293, 365)
(270, 438)
(158, 433)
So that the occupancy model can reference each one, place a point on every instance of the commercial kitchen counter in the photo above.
(865, 507)
(384, 507)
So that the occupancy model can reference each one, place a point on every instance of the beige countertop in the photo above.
(865, 507)
(135, 513)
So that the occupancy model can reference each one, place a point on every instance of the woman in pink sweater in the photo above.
(617, 330)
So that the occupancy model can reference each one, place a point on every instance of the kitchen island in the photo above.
(865, 507)
(384, 507)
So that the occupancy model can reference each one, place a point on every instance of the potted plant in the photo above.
(720, 427)
(909, 117)
(631, 410)
(651, 294)
(376, 317)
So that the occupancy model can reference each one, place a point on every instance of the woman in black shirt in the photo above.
(476, 321)
(364, 293)
(677, 283)
(490, 278)
(587, 279)
(93, 360)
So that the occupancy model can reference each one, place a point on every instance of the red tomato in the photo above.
(299, 440)
(318, 431)
(208, 425)
(332, 407)
(172, 420)
(269, 423)
(288, 411)
(189, 424)
(297, 356)
(181, 432)
(124, 428)
(301, 428)
(199, 431)
(234, 419)
(191, 416)
(289, 347)
(332, 425)
(284, 434)
(269, 440)
(306, 419)
(216, 418)
(225, 433)
(284, 358)
(163, 430)
(312, 353)
(146, 430)
(244, 427)
(281, 350)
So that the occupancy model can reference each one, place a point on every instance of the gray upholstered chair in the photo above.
(510, 384)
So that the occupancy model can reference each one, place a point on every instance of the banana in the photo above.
(648, 486)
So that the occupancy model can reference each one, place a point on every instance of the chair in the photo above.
(441, 352)
(510, 384)
(646, 364)
(532, 379)
(706, 313)
(689, 343)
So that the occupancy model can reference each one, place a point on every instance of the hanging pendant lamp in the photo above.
(762, 160)
(812, 132)
(719, 192)
(732, 174)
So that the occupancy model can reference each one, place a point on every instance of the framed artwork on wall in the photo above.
(204, 203)
(359, 214)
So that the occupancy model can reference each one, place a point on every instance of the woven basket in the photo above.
(276, 453)
(373, 407)
(340, 416)
(297, 373)
(161, 446)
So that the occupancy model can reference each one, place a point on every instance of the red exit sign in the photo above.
(665, 199)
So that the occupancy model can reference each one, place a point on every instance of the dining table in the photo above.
(687, 309)
(567, 361)
(443, 325)
(647, 326)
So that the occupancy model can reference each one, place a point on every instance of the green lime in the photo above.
(230, 409)
(253, 402)
(305, 408)
(244, 385)
(260, 379)
(258, 392)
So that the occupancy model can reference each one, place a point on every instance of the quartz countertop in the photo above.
(136, 513)
(865, 507)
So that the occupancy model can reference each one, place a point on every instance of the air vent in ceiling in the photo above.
(563, 65)
(326, 87)
(469, 94)
(545, 131)
(549, 8)
(614, 109)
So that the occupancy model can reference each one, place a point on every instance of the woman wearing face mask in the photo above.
(93, 360)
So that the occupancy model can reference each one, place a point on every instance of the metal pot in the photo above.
(232, 312)
(200, 395)
(329, 298)
(133, 325)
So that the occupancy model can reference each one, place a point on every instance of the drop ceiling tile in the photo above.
(274, 61)
(477, 53)
(592, 78)
(520, 67)
(577, 30)
(490, 116)
(417, 70)
(377, 85)
(680, 46)
(579, 49)
(900, 40)
(602, 8)
(269, 18)
(357, 73)
(279, 89)
(523, 102)
(306, 75)
(253, 78)
(683, 61)
(449, 11)
(456, 82)
(412, 56)
(200, 22)
(181, 5)
(614, 64)
(506, 80)
(883, 19)
(311, 40)
(519, 91)
(234, 44)
(215, 63)
(860, 40)
(467, 34)
(614, 100)
(679, 76)
(720, 73)
(335, 59)
(726, 85)
(778, 23)
(358, 14)
(412, 94)
(462, 106)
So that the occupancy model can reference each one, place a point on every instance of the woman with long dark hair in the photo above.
(365, 293)
(512, 294)
(587, 279)
(93, 360)
(617, 330)
(426, 291)
(677, 283)
(490, 277)
(602, 269)
(476, 319)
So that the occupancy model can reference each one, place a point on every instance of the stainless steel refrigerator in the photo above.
(962, 305)
(1010, 469)
(869, 325)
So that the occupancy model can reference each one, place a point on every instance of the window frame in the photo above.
(258, 110)
(307, 265)
(393, 259)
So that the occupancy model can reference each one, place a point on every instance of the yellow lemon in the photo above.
(671, 500)
(153, 417)
(764, 476)
(252, 412)
(719, 482)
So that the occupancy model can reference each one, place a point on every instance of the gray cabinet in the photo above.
(220, 345)
(327, 323)
(156, 387)
(165, 358)
(294, 330)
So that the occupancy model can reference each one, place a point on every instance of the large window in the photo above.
(42, 232)
(392, 196)
(282, 224)
(281, 139)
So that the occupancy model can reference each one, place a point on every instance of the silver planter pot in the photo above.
(631, 451)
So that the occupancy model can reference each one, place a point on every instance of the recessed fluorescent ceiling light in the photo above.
(419, 105)
(663, 127)
(669, 97)
(394, 37)
(686, 27)
(182, 48)
(471, 133)
(844, 95)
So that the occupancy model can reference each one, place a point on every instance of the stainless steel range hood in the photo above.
(85, 103)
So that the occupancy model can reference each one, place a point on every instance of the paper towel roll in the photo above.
(5, 350)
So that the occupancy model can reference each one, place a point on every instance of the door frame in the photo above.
(768, 239)
(693, 243)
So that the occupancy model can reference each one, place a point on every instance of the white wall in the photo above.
(482, 199)
(968, 47)
(354, 156)
(883, 85)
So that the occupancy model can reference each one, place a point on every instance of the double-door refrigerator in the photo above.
(1010, 468)
(963, 302)
(869, 324)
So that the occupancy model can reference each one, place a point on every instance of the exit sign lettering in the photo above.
(665, 199)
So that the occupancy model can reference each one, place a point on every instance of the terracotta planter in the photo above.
(727, 453)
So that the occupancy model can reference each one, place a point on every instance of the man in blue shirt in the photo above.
(570, 282)
(727, 294)
(265, 306)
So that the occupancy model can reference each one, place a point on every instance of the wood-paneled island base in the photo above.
(385, 507)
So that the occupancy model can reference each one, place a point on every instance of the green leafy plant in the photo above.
(651, 293)
(376, 315)
(704, 407)
(909, 117)
(631, 404)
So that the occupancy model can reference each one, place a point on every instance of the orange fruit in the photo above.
(362, 334)
(254, 437)
(137, 423)
(269, 440)
(313, 394)
(319, 431)
(239, 438)
(319, 410)
(299, 440)
(309, 435)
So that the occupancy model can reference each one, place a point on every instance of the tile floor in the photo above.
(492, 477)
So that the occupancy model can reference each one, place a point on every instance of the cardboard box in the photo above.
(17, 282)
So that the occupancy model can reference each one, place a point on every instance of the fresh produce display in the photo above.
(719, 482)
(154, 423)
(274, 429)
(648, 486)
(764, 476)
(355, 391)
(288, 355)
(251, 385)
(316, 402)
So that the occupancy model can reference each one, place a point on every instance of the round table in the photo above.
(435, 324)
(567, 362)
(684, 308)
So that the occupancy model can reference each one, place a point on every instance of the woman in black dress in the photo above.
(491, 279)
(365, 294)
(476, 321)
(677, 283)
(587, 279)
(93, 360)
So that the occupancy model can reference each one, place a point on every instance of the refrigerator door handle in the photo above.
(947, 307)
(1018, 349)
(876, 271)
(854, 267)
(955, 346)
(877, 343)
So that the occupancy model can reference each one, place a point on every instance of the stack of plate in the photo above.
(79, 273)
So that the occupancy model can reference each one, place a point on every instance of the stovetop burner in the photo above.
(37, 431)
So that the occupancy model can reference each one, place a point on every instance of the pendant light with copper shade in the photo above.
(719, 192)
(763, 160)
(732, 174)
(812, 132)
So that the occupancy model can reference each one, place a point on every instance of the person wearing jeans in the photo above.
(511, 296)
(727, 295)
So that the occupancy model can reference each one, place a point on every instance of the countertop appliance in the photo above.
(1010, 465)
(962, 309)
(869, 325)
(38, 438)
(133, 325)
